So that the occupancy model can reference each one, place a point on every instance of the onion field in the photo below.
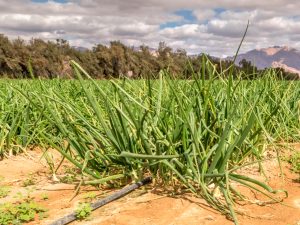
(194, 134)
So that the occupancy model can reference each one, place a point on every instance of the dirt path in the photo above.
(147, 207)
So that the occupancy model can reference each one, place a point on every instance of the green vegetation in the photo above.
(29, 181)
(196, 133)
(20, 212)
(83, 211)
(90, 196)
(4, 191)
(70, 175)
(295, 162)
(44, 196)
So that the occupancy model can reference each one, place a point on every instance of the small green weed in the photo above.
(20, 212)
(19, 195)
(70, 177)
(295, 162)
(4, 191)
(83, 211)
(89, 196)
(44, 196)
(30, 180)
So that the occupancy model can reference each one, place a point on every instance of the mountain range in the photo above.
(276, 56)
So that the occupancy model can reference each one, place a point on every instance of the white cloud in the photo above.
(217, 30)
(204, 14)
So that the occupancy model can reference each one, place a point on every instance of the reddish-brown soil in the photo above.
(148, 206)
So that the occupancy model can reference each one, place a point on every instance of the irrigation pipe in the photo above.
(124, 191)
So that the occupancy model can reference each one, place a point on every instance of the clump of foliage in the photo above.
(83, 211)
(29, 181)
(4, 191)
(198, 132)
(20, 212)
(44, 196)
(90, 196)
(295, 162)
(70, 175)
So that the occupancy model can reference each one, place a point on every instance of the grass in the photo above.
(196, 133)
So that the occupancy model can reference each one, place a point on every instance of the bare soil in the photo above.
(150, 206)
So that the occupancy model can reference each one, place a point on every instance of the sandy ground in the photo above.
(147, 206)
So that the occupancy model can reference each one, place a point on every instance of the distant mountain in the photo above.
(276, 56)
(80, 49)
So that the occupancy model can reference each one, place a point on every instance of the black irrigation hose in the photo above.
(126, 190)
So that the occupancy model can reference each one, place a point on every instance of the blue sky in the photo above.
(215, 27)
(187, 17)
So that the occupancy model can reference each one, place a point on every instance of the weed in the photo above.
(89, 196)
(44, 196)
(19, 195)
(30, 180)
(4, 191)
(67, 179)
(295, 162)
(70, 177)
(83, 211)
(20, 212)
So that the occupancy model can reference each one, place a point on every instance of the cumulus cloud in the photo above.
(198, 26)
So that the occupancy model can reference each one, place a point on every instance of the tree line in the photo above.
(50, 59)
